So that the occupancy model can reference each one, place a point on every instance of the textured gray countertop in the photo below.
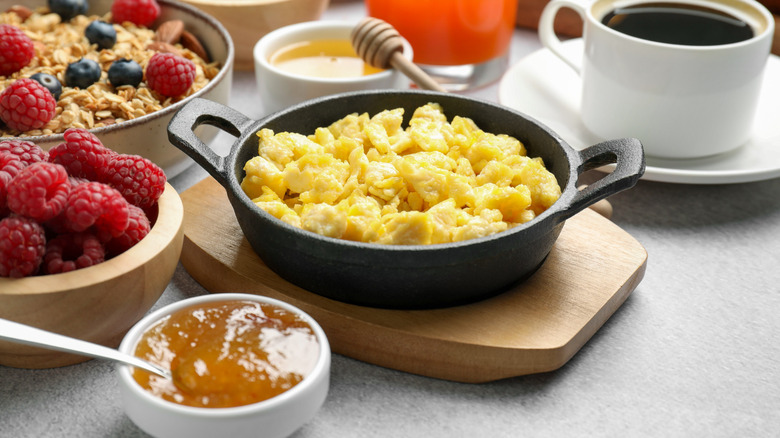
(692, 352)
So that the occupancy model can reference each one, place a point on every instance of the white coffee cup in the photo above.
(681, 101)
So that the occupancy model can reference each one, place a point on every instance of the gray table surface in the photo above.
(692, 352)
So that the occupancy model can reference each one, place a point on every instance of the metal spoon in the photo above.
(24, 334)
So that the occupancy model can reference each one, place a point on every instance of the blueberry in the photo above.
(68, 9)
(125, 72)
(50, 82)
(101, 33)
(82, 73)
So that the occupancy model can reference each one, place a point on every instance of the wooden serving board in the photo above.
(535, 327)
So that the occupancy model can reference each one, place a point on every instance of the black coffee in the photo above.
(678, 24)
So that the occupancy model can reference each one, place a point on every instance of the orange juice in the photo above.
(321, 58)
(450, 32)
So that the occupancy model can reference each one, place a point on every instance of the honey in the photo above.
(227, 353)
(323, 59)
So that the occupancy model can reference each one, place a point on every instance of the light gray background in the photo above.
(692, 352)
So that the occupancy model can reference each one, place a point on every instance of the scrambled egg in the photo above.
(369, 179)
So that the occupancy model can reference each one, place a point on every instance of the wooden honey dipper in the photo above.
(380, 45)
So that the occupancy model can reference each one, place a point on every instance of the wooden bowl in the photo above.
(97, 304)
(248, 20)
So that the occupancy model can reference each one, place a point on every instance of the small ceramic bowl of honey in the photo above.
(313, 59)
(243, 365)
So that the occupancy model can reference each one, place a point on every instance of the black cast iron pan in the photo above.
(404, 276)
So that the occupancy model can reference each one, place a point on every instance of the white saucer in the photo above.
(544, 88)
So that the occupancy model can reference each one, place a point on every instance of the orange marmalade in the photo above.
(227, 353)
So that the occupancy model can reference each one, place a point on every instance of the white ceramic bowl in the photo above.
(279, 416)
(279, 89)
(147, 135)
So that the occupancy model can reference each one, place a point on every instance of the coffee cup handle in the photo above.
(547, 29)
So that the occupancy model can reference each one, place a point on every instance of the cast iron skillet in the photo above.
(419, 276)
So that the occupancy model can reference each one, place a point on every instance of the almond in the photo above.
(159, 46)
(22, 11)
(169, 31)
(190, 41)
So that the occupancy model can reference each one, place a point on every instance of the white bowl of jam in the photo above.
(307, 60)
(243, 365)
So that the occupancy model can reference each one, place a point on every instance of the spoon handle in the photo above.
(24, 334)
(379, 44)
(415, 73)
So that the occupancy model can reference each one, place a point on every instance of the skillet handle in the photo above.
(629, 159)
(201, 111)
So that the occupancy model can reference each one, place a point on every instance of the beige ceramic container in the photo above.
(248, 20)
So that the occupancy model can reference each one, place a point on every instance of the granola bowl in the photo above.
(99, 303)
(138, 120)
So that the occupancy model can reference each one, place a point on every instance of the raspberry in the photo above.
(10, 166)
(39, 191)
(27, 151)
(170, 75)
(97, 204)
(22, 246)
(140, 12)
(68, 252)
(26, 105)
(16, 49)
(57, 225)
(139, 180)
(82, 154)
(137, 228)
(76, 180)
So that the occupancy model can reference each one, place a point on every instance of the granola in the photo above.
(58, 44)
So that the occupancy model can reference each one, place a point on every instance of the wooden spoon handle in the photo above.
(415, 73)
(379, 44)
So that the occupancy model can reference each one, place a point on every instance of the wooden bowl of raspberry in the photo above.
(89, 240)
(119, 68)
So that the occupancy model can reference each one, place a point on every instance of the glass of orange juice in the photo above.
(463, 44)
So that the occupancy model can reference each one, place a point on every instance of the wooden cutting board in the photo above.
(536, 326)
